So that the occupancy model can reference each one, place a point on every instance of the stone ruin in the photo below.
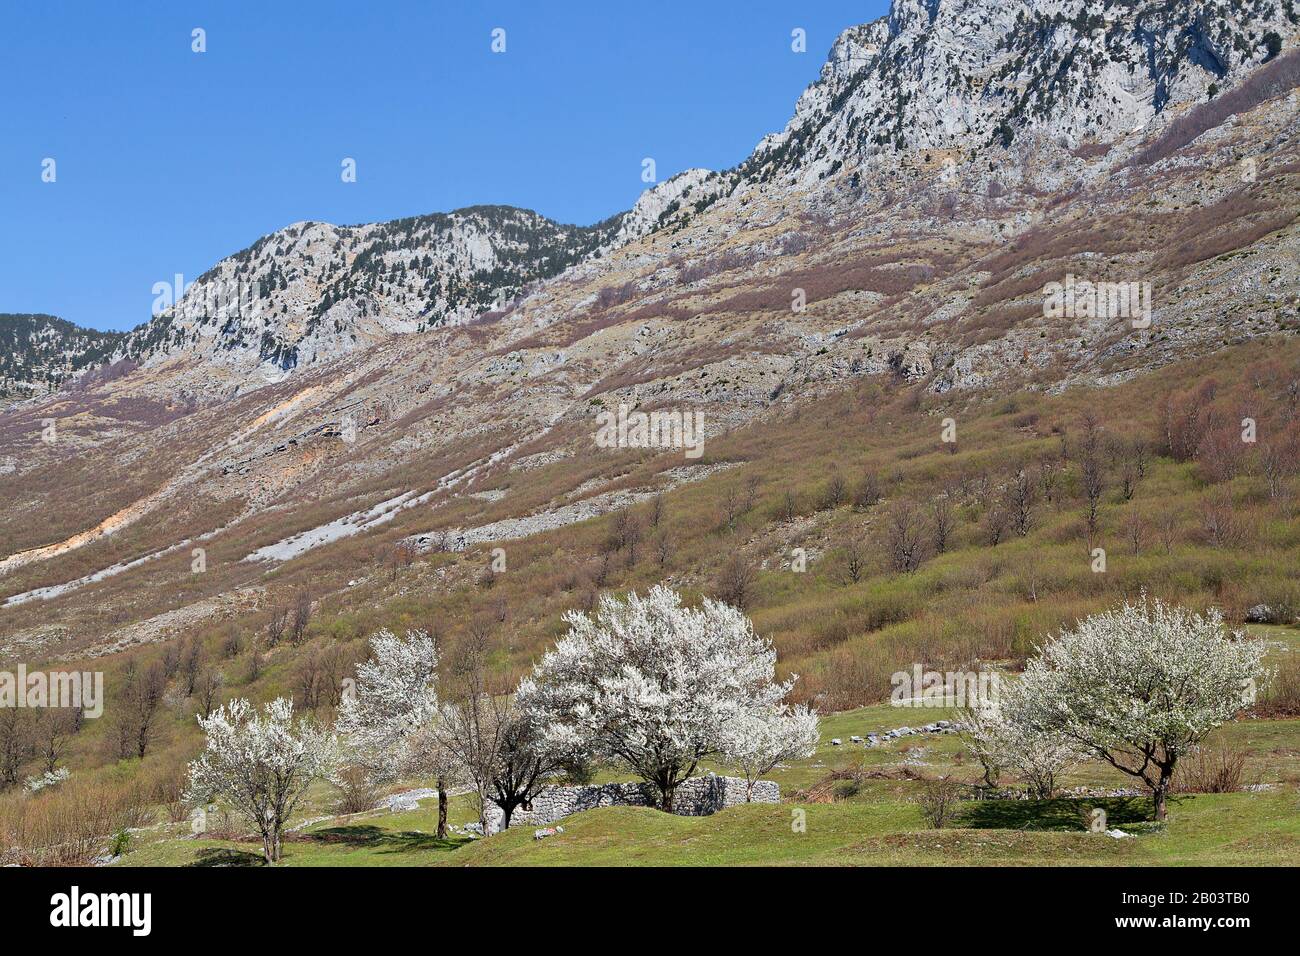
(697, 797)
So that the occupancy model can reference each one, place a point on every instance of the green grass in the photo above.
(881, 825)
(1224, 829)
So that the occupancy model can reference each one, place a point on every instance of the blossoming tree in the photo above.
(651, 685)
(1140, 685)
(760, 738)
(260, 763)
(1002, 739)
(386, 720)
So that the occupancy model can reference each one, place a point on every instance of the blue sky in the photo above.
(168, 160)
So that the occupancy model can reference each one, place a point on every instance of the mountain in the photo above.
(886, 243)
(980, 92)
(313, 292)
(944, 80)
(38, 353)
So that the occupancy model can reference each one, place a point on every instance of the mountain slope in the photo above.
(951, 78)
(402, 422)
(313, 292)
(38, 353)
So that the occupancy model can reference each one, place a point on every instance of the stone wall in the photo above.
(697, 797)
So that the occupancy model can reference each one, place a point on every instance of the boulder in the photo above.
(1260, 614)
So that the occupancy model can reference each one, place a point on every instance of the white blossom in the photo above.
(1141, 685)
(395, 698)
(759, 739)
(651, 685)
(260, 764)
(1003, 739)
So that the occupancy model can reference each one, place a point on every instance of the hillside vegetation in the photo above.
(1154, 471)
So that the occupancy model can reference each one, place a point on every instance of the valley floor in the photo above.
(878, 824)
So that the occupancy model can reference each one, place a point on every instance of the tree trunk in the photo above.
(442, 811)
(668, 798)
(1160, 794)
(507, 811)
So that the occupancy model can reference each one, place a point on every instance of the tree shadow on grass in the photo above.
(386, 841)
(225, 856)
(1068, 814)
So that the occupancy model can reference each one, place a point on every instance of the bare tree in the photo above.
(835, 492)
(1094, 486)
(1140, 453)
(307, 680)
(656, 510)
(138, 706)
(903, 537)
(171, 660)
(496, 746)
(1090, 442)
(466, 727)
(867, 492)
(625, 532)
(1223, 527)
(1021, 503)
(1048, 475)
(254, 660)
(1135, 528)
(1279, 461)
(209, 691)
(15, 744)
(1185, 420)
(232, 645)
(1167, 527)
(941, 522)
(730, 510)
(789, 509)
(334, 665)
(735, 582)
(855, 561)
(191, 665)
(51, 735)
(276, 625)
(996, 522)
(664, 548)
(301, 618)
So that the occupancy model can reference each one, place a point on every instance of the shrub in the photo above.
(356, 790)
(939, 800)
(1282, 695)
(847, 789)
(67, 826)
(1211, 771)
(120, 843)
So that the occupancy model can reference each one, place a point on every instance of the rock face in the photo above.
(697, 797)
(953, 76)
(313, 292)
